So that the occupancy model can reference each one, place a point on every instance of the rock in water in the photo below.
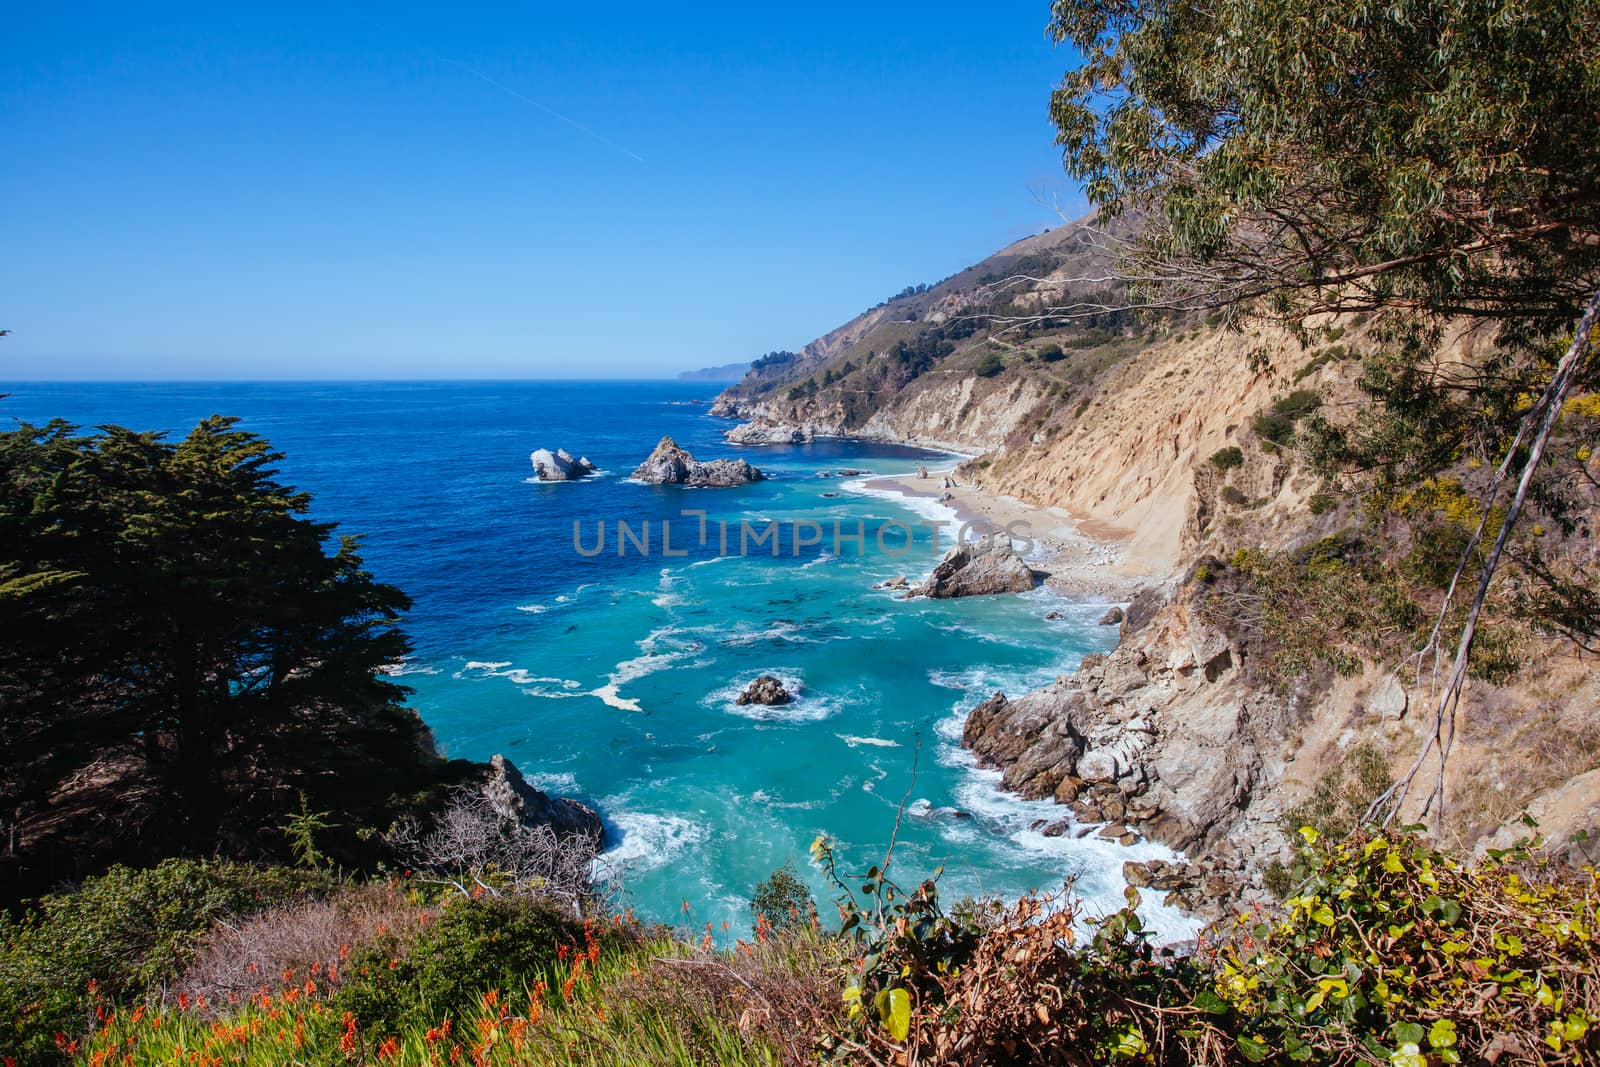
(766, 433)
(559, 466)
(766, 690)
(1113, 617)
(671, 465)
(514, 799)
(977, 568)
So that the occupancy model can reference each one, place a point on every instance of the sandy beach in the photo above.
(1080, 557)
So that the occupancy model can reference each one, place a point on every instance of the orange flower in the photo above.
(389, 1048)
(347, 1042)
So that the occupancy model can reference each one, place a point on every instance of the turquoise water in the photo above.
(612, 677)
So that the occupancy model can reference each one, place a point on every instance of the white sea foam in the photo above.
(404, 667)
(661, 648)
(805, 707)
(926, 507)
(646, 841)
(981, 680)
(534, 685)
(745, 634)
(878, 742)
(534, 609)
(560, 783)
(1097, 863)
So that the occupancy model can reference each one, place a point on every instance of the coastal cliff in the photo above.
(1172, 443)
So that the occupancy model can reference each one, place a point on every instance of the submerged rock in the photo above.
(767, 690)
(517, 801)
(559, 466)
(671, 465)
(979, 568)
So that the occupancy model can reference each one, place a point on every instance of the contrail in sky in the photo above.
(552, 112)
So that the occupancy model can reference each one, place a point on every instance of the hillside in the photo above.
(1177, 442)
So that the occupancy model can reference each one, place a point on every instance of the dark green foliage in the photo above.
(1051, 353)
(772, 359)
(1432, 154)
(1331, 354)
(127, 930)
(1226, 459)
(473, 946)
(1232, 495)
(173, 618)
(782, 900)
(1335, 605)
(909, 945)
(988, 365)
(1277, 426)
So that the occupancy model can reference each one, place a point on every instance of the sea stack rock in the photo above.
(767, 690)
(978, 568)
(559, 466)
(671, 465)
(516, 801)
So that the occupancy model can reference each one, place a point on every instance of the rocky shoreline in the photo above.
(1156, 739)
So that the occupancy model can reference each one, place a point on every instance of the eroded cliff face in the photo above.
(1176, 735)
(955, 412)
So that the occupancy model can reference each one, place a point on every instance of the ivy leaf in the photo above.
(1252, 1048)
(894, 1009)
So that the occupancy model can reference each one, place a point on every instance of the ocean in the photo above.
(611, 675)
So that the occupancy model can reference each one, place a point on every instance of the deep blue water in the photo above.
(611, 677)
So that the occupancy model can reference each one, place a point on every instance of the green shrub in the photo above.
(1232, 496)
(473, 946)
(1277, 426)
(1051, 354)
(1226, 459)
(1275, 430)
(1333, 333)
(782, 901)
(128, 931)
(988, 366)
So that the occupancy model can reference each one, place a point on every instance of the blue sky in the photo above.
(451, 190)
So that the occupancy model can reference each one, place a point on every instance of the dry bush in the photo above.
(311, 939)
(472, 848)
(1525, 759)
(782, 993)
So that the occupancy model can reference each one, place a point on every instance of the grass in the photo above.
(644, 998)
